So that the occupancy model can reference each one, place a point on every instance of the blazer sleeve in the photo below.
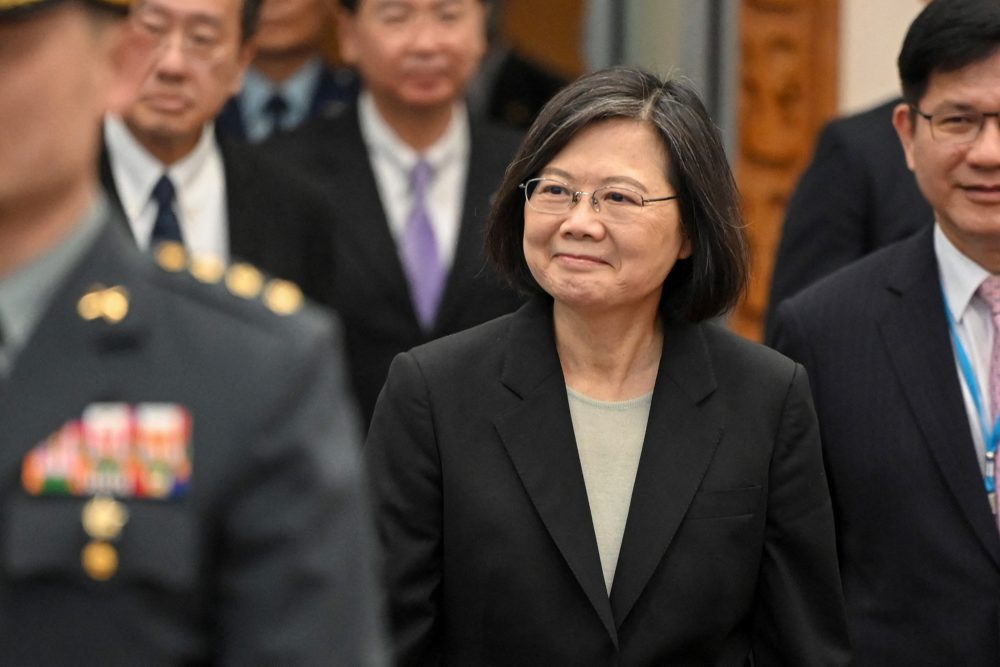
(405, 469)
(297, 580)
(800, 617)
(826, 225)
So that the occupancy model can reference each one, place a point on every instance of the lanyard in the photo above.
(991, 435)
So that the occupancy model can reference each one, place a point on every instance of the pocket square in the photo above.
(129, 451)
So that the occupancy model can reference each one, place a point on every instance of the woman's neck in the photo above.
(612, 356)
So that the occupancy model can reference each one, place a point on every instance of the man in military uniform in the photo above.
(179, 480)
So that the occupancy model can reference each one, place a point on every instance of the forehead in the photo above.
(977, 85)
(380, 5)
(223, 12)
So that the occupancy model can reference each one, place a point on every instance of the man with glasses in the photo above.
(411, 175)
(903, 356)
(175, 180)
(180, 480)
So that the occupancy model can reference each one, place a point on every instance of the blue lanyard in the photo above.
(990, 435)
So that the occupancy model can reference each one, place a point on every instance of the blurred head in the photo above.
(202, 49)
(413, 54)
(292, 26)
(949, 68)
(58, 75)
(624, 128)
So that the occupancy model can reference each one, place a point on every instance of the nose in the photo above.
(985, 149)
(582, 220)
(425, 33)
(171, 56)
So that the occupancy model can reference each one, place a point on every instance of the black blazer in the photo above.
(277, 221)
(856, 196)
(267, 559)
(919, 547)
(371, 292)
(483, 514)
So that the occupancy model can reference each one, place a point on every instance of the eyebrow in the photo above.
(604, 182)
(194, 18)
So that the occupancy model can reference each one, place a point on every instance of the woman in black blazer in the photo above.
(603, 477)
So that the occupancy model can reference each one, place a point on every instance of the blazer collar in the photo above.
(914, 329)
(681, 437)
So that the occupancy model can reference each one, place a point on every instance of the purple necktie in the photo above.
(420, 251)
(989, 291)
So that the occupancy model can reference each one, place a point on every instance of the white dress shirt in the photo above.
(960, 278)
(392, 161)
(199, 180)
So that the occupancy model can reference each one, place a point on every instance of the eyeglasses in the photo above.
(612, 202)
(954, 126)
(200, 42)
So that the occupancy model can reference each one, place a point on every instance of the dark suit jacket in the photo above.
(277, 221)
(856, 196)
(266, 560)
(919, 548)
(335, 87)
(371, 292)
(484, 519)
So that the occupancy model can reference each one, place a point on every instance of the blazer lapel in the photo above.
(914, 329)
(480, 188)
(363, 237)
(66, 346)
(681, 437)
(538, 436)
(111, 190)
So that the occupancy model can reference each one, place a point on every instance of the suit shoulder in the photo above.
(457, 351)
(236, 295)
(735, 354)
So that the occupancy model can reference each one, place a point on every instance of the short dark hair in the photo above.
(946, 36)
(712, 279)
(249, 19)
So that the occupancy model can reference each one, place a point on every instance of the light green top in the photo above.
(609, 437)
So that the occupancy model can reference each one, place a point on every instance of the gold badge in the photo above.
(99, 560)
(111, 304)
(283, 297)
(114, 304)
(171, 256)
(207, 268)
(244, 280)
(104, 517)
(89, 305)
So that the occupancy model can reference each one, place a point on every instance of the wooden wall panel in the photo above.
(788, 89)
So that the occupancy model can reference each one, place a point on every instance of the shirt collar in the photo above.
(141, 170)
(381, 138)
(26, 293)
(960, 275)
(297, 90)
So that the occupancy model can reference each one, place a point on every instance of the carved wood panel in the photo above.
(788, 89)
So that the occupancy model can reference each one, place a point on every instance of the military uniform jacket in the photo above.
(264, 559)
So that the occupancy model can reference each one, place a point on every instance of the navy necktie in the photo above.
(166, 227)
(276, 109)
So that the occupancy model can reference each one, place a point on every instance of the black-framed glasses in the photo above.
(613, 202)
(956, 126)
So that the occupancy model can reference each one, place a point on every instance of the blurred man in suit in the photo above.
(289, 81)
(903, 357)
(180, 479)
(175, 179)
(412, 176)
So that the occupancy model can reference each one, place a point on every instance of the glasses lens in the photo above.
(548, 196)
(956, 126)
